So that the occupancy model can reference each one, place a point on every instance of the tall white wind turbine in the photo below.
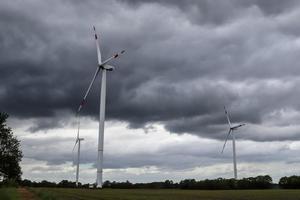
(230, 132)
(78, 140)
(103, 66)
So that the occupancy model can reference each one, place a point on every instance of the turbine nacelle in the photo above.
(231, 128)
(107, 67)
(77, 141)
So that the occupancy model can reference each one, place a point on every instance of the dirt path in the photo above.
(26, 194)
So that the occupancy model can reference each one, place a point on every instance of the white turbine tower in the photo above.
(230, 132)
(78, 140)
(103, 66)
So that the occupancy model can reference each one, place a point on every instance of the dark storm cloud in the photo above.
(217, 12)
(184, 61)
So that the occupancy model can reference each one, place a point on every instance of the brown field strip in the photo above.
(25, 194)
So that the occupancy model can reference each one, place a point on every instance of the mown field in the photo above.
(164, 194)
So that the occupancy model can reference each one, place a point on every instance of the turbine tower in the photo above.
(230, 132)
(104, 67)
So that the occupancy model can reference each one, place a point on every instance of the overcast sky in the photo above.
(184, 61)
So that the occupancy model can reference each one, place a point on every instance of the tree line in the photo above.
(259, 182)
(292, 182)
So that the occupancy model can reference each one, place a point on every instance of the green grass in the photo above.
(142, 194)
(46, 195)
(9, 194)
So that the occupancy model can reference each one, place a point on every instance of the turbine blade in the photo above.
(112, 57)
(88, 90)
(75, 145)
(226, 139)
(238, 126)
(98, 46)
(242, 125)
(227, 116)
(78, 126)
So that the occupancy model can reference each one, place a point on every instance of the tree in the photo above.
(292, 182)
(68, 184)
(168, 184)
(10, 153)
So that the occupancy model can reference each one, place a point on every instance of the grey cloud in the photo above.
(171, 156)
(218, 12)
(47, 123)
(179, 70)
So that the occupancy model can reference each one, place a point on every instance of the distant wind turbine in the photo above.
(78, 140)
(230, 132)
(103, 66)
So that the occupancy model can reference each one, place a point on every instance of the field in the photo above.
(167, 194)
(9, 194)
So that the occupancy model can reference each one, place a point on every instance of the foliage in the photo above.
(67, 184)
(10, 153)
(259, 182)
(44, 183)
(292, 182)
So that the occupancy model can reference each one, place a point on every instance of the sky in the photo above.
(184, 61)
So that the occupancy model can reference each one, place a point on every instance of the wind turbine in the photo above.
(230, 132)
(103, 66)
(78, 140)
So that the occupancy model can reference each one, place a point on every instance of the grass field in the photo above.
(118, 194)
(9, 194)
